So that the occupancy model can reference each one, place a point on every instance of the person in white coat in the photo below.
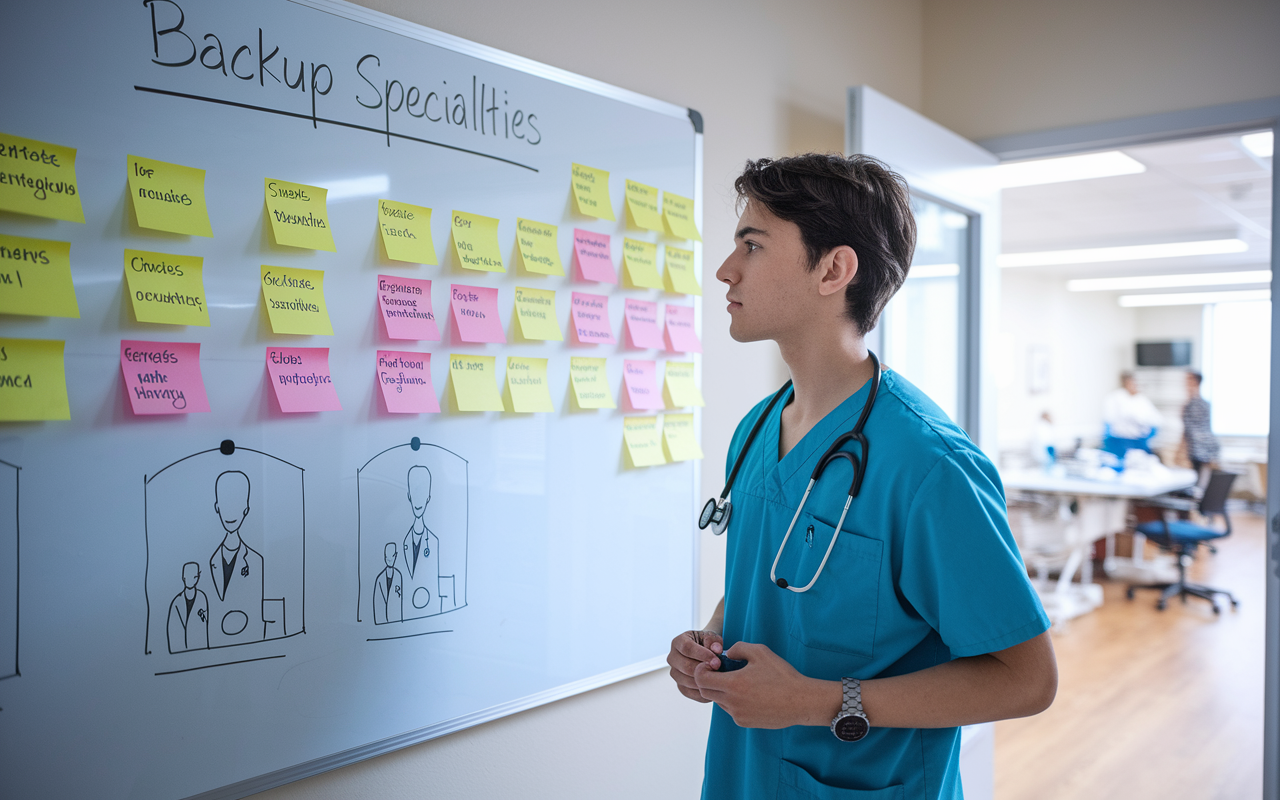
(421, 551)
(1131, 419)
(388, 590)
(235, 569)
(189, 614)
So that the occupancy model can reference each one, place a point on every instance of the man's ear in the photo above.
(837, 270)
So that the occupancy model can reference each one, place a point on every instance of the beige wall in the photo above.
(995, 67)
(769, 79)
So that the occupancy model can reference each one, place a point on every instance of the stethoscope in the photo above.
(716, 512)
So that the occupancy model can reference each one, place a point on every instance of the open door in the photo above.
(938, 328)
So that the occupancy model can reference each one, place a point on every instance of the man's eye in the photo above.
(751, 246)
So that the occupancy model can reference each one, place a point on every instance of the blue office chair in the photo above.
(1183, 538)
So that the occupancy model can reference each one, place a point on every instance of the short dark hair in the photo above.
(1195, 376)
(842, 200)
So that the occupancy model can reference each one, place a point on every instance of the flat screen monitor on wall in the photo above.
(1164, 354)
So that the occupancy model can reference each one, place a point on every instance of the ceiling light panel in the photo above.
(1133, 252)
(1192, 298)
(1262, 144)
(1168, 281)
(1068, 168)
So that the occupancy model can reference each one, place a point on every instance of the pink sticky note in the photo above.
(163, 377)
(300, 377)
(590, 314)
(406, 308)
(593, 256)
(405, 379)
(641, 380)
(681, 335)
(642, 325)
(475, 314)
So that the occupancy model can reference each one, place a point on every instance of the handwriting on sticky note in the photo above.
(406, 232)
(168, 197)
(405, 304)
(300, 378)
(642, 206)
(475, 383)
(678, 213)
(35, 278)
(405, 380)
(644, 444)
(681, 332)
(682, 385)
(589, 314)
(681, 275)
(299, 214)
(591, 192)
(536, 244)
(39, 178)
(475, 314)
(679, 437)
(166, 288)
(527, 383)
(593, 255)
(295, 300)
(536, 313)
(163, 377)
(590, 379)
(642, 325)
(33, 380)
(641, 381)
(640, 260)
(475, 238)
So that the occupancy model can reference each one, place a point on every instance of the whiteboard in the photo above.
(544, 542)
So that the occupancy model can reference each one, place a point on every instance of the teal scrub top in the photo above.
(925, 570)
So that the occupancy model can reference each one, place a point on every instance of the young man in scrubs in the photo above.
(923, 619)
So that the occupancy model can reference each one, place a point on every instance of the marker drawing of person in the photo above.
(189, 613)
(235, 569)
(388, 590)
(421, 549)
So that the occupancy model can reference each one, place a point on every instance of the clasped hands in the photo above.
(767, 693)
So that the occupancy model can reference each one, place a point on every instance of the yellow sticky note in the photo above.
(590, 380)
(536, 244)
(678, 212)
(168, 197)
(406, 232)
(295, 300)
(166, 288)
(640, 260)
(35, 278)
(475, 238)
(642, 207)
(679, 438)
(681, 274)
(39, 178)
(33, 380)
(536, 311)
(591, 192)
(681, 386)
(475, 383)
(299, 214)
(644, 444)
(527, 382)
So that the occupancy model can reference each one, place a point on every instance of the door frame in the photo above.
(1188, 124)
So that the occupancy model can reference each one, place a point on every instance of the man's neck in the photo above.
(826, 369)
(418, 526)
(190, 594)
(231, 543)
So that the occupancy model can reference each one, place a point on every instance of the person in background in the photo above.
(1131, 419)
(1198, 441)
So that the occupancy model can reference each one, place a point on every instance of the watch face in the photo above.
(851, 728)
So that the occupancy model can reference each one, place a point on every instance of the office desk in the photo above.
(1100, 509)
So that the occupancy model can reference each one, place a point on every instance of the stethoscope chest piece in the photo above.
(716, 516)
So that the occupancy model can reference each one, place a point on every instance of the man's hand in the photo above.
(689, 651)
(767, 692)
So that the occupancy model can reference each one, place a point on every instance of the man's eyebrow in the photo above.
(748, 231)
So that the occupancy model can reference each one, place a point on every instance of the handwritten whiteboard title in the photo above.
(480, 109)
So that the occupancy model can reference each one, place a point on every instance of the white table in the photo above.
(1100, 512)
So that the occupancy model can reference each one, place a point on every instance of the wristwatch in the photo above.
(850, 725)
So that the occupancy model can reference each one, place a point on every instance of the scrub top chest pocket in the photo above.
(839, 613)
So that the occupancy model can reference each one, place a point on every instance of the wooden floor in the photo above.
(1153, 704)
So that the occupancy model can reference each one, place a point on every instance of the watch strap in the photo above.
(851, 696)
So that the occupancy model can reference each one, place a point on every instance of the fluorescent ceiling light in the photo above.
(357, 187)
(1192, 298)
(933, 271)
(1168, 281)
(1261, 144)
(1133, 252)
(1068, 168)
